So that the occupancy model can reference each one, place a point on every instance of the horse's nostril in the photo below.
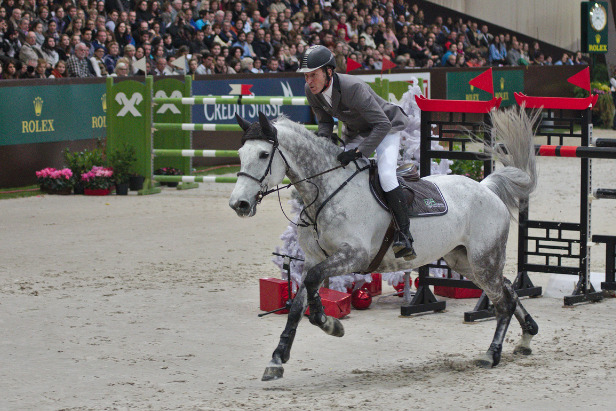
(242, 205)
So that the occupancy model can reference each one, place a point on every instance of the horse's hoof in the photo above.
(485, 361)
(522, 350)
(272, 373)
(333, 326)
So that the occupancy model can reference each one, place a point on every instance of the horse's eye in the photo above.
(263, 155)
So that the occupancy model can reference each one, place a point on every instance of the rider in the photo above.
(370, 123)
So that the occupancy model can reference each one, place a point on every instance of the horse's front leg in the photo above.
(346, 259)
(282, 353)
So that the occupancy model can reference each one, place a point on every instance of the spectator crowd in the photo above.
(89, 38)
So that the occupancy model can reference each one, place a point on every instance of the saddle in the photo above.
(424, 198)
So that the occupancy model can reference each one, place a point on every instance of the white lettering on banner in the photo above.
(129, 105)
(220, 112)
(286, 89)
(168, 106)
(267, 109)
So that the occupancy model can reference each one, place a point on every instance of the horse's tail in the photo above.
(513, 129)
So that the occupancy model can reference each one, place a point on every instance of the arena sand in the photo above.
(151, 302)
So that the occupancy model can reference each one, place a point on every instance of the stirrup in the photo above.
(403, 248)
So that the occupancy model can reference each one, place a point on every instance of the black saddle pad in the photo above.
(423, 197)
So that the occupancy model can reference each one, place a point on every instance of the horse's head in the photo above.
(262, 165)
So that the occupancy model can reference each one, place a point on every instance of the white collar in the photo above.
(327, 94)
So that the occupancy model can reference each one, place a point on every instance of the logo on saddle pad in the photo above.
(432, 203)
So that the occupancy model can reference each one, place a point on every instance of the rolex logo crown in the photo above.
(104, 102)
(38, 106)
(598, 38)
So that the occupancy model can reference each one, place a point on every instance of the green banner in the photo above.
(506, 82)
(127, 106)
(172, 113)
(41, 114)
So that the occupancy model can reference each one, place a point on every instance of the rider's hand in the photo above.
(347, 156)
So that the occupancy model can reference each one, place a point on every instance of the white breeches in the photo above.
(386, 159)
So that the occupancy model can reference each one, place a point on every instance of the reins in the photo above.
(268, 170)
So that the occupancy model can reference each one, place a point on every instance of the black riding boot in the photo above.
(403, 241)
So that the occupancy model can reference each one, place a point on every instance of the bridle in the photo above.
(264, 191)
(263, 187)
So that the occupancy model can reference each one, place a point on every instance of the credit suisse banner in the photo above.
(283, 87)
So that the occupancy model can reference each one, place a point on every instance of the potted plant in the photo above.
(54, 181)
(121, 161)
(168, 171)
(97, 181)
(80, 162)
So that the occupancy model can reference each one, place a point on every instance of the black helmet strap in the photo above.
(328, 79)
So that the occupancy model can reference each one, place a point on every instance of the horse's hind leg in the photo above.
(504, 306)
(281, 354)
(529, 326)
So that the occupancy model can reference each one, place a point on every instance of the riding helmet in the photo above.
(316, 57)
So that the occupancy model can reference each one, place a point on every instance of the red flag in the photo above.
(352, 65)
(484, 82)
(388, 64)
(581, 79)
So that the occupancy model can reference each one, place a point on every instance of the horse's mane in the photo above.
(298, 131)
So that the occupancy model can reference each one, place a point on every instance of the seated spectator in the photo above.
(97, 61)
(59, 70)
(579, 59)
(77, 64)
(121, 69)
(123, 36)
(257, 66)
(9, 71)
(161, 68)
(221, 67)
(193, 65)
(514, 57)
(565, 60)
(207, 65)
(497, 52)
(30, 50)
(41, 69)
(113, 54)
(37, 28)
(235, 65)
(64, 47)
(247, 65)
(49, 52)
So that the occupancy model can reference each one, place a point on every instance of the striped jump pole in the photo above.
(206, 100)
(604, 142)
(576, 151)
(200, 179)
(194, 153)
(207, 127)
(603, 193)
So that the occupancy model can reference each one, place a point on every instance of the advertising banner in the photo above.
(225, 113)
(50, 113)
(506, 82)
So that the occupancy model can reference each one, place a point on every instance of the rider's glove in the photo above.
(347, 156)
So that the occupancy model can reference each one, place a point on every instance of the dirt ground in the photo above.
(151, 302)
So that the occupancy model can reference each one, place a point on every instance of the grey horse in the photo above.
(346, 230)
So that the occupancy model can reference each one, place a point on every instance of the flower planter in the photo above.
(96, 191)
(135, 183)
(60, 191)
(121, 189)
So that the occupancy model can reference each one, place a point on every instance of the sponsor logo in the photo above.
(168, 106)
(129, 104)
(39, 125)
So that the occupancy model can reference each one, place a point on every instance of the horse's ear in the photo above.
(244, 124)
(268, 129)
